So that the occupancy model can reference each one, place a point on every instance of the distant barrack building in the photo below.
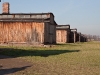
(73, 35)
(62, 33)
(34, 28)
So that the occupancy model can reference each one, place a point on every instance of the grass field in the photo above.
(62, 59)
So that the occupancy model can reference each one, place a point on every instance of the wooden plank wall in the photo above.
(46, 33)
(29, 32)
(83, 38)
(78, 37)
(67, 36)
(50, 33)
(61, 36)
(72, 37)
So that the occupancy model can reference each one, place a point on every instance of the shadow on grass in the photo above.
(12, 70)
(31, 52)
(69, 44)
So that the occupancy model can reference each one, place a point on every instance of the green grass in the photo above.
(62, 59)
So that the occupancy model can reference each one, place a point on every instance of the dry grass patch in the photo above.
(63, 59)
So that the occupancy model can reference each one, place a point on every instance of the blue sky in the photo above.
(81, 14)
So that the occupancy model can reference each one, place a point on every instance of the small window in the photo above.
(27, 16)
(21, 16)
(38, 16)
(16, 16)
(4, 16)
(10, 16)
(44, 16)
(33, 16)
(0, 16)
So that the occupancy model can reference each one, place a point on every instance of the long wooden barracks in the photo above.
(35, 28)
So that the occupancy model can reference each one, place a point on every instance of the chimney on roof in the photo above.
(5, 8)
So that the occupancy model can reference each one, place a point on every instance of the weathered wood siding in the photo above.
(83, 38)
(72, 37)
(51, 18)
(50, 33)
(46, 34)
(53, 33)
(78, 37)
(30, 32)
(68, 34)
(61, 36)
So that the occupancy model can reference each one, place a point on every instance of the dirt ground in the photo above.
(13, 66)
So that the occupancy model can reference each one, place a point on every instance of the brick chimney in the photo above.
(5, 8)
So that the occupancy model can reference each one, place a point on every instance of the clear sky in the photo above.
(81, 14)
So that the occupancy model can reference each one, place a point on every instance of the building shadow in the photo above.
(32, 52)
(12, 70)
(69, 44)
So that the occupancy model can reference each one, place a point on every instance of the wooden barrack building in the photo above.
(73, 35)
(34, 28)
(78, 37)
(62, 33)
